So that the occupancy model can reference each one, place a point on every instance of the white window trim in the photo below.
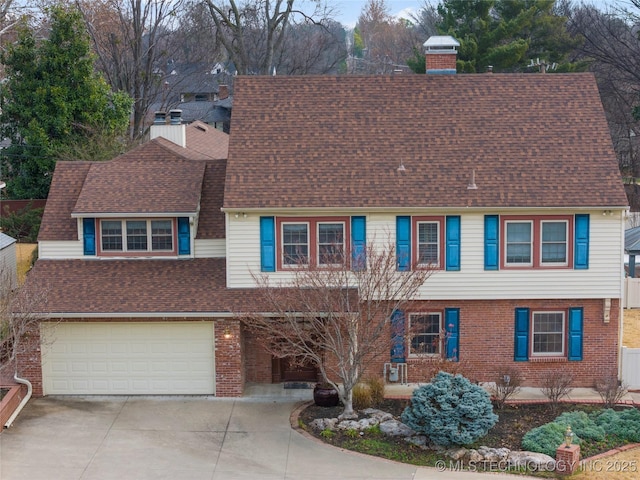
(123, 234)
(438, 246)
(566, 242)
(506, 244)
(564, 334)
(440, 339)
(284, 264)
(344, 228)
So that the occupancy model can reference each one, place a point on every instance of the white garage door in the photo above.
(134, 358)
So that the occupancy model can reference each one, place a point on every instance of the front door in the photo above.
(294, 372)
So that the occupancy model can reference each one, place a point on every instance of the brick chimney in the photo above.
(223, 92)
(440, 54)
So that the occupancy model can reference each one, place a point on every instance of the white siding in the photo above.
(210, 248)
(603, 279)
(59, 250)
(8, 266)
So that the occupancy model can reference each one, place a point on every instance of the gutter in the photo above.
(22, 381)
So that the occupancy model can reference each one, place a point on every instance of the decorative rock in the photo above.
(349, 425)
(532, 461)
(419, 441)
(395, 428)
(456, 453)
(377, 414)
(494, 454)
(324, 423)
(473, 456)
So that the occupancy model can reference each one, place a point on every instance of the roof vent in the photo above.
(160, 118)
(175, 117)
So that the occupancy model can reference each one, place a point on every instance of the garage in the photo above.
(128, 358)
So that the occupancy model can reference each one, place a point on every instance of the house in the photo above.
(8, 262)
(508, 184)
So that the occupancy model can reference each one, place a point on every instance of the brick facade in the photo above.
(440, 61)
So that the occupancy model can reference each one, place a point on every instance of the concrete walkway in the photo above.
(194, 438)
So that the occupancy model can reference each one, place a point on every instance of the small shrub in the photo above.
(557, 384)
(450, 411)
(610, 390)
(546, 438)
(361, 397)
(624, 424)
(352, 433)
(376, 389)
(507, 384)
(327, 434)
(582, 424)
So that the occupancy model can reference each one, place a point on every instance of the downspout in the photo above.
(22, 381)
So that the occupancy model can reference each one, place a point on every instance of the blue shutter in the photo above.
(581, 249)
(403, 243)
(453, 243)
(521, 345)
(267, 244)
(89, 235)
(491, 242)
(575, 333)
(452, 329)
(184, 237)
(397, 336)
(358, 243)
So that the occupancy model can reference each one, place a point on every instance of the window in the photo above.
(548, 332)
(424, 333)
(330, 243)
(295, 244)
(537, 242)
(519, 243)
(136, 236)
(317, 241)
(428, 243)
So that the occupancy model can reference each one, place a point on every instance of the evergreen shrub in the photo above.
(450, 410)
(547, 438)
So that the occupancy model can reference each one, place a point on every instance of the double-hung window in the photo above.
(428, 243)
(425, 334)
(319, 242)
(537, 242)
(136, 236)
(548, 334)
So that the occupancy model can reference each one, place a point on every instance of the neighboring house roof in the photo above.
(533, 140)
(138, 286)
(6, 240)
(632, 241)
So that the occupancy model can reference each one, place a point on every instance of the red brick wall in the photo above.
(487, 341)
(257, 361)
(30, 363)
(230, 377)
(441, 61)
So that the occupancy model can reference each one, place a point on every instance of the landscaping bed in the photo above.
(514, 422)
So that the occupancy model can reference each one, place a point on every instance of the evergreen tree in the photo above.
(53, 102)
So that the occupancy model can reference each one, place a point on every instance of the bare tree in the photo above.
(337, 318)
(253, 31)
(20, 315)
(132, 39)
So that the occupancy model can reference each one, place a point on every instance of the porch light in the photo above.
(568, 437)
(227, 334)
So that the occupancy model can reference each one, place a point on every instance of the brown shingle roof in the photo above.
(148, 179)
(211, 219)
(136, 286)
(66, 184)
(533, 140)
(203, 142)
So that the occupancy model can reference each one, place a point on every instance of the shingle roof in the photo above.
(211, 218)
(322, 141)
(135, 286)
(148, 179)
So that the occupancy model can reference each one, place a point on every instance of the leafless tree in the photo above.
(337, 318)
(253, 31)
(132, 39)
(20, 315)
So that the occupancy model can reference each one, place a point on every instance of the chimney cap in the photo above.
(441, 43)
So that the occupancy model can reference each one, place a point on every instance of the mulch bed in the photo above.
(514, 422)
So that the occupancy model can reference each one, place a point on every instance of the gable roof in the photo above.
(533, 140)
(148, 179)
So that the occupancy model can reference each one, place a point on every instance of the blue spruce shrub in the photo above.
(623, 424)
(582, 424)
(546, 438)
(450, 411)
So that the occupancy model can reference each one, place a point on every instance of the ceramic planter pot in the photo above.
(325, 395)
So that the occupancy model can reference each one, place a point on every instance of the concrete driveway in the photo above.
(191, 438)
